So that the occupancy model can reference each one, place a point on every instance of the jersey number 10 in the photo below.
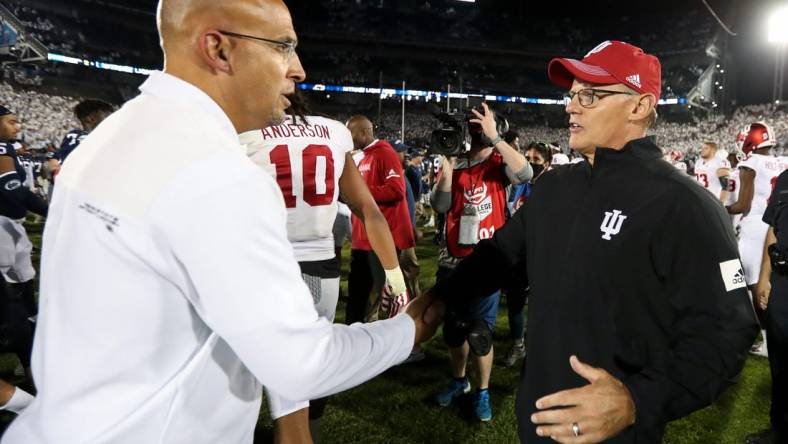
(280, 157)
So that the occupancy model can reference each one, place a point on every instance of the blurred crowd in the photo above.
(47, 118)
(687, 138)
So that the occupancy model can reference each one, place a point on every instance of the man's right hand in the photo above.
(427, 313)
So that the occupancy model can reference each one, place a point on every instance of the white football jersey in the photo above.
(706, 174)
(307, 162)
(766, 168)
(783, 162)
(734, 183)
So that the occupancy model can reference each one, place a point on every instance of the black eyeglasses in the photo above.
(589, 96)
(288, 49)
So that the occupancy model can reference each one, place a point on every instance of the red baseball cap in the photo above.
(610, 62)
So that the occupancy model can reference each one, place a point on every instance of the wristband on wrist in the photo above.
(497, 140)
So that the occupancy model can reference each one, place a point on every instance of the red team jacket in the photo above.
(382, 170)
(483, 186)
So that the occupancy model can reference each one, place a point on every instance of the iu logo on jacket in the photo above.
(611, 225)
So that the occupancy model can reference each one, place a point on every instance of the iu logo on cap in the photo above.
(599, 47)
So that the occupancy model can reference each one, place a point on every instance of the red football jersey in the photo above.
(382, 171)
(484, 187)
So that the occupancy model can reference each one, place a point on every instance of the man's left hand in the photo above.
(761, 293)
(487, 121)
(597, 411)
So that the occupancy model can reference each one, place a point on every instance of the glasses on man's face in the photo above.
(590, 96)
(286, 48)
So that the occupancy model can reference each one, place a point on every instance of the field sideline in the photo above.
(397, 406)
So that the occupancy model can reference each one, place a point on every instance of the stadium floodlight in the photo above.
(778, 32)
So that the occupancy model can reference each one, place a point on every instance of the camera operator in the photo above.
(472, 193)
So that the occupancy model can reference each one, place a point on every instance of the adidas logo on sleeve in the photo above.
(732, 274)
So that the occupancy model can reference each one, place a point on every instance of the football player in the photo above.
(90, 113)
(15, 201)
(734, 157)
(758, 173)
(712, 172)
(309, 156)
(16, 264)
(33, 164)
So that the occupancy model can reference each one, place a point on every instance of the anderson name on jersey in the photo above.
(307, 161)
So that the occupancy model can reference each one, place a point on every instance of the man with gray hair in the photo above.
(627, 327)
(169, 291)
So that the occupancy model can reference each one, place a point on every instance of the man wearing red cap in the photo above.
(639, 315)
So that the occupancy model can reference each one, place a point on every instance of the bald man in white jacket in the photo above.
(169, 291)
